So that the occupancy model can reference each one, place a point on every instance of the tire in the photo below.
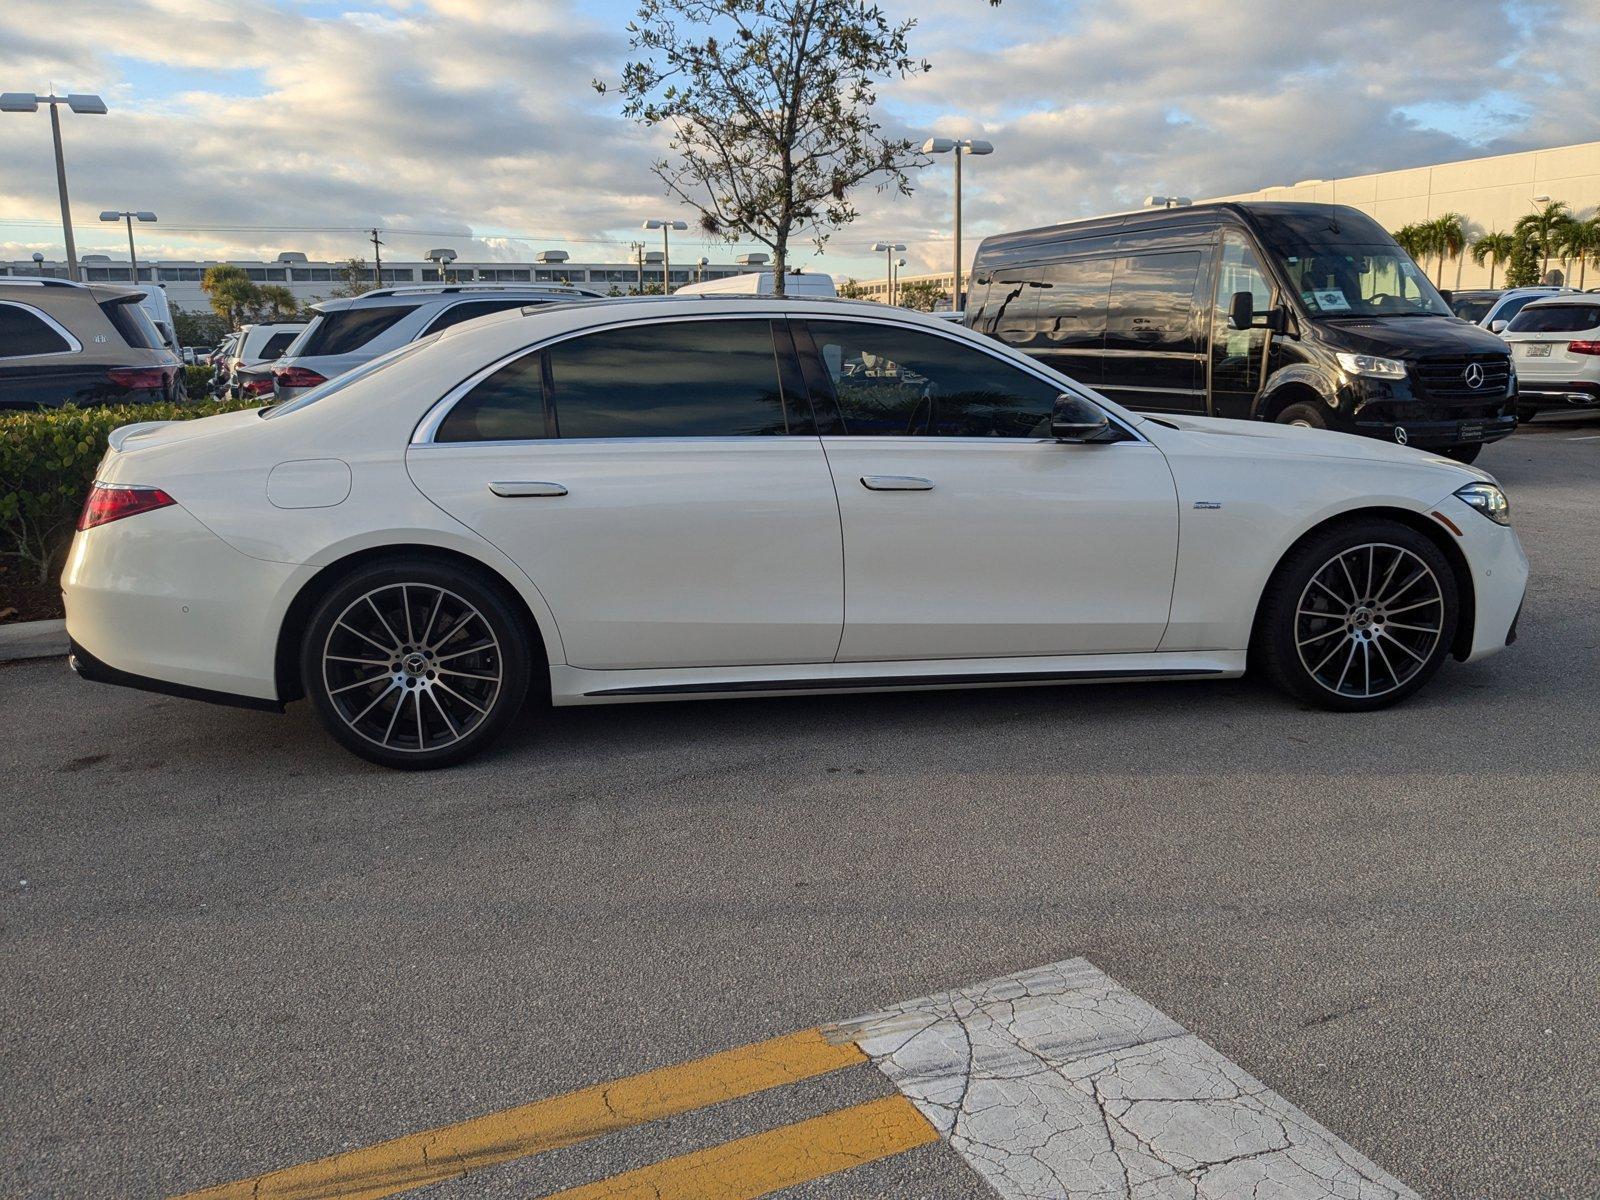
(1526, 414)
(1309, 416)
(1465, 454)
(1317, 599)
(407, 709)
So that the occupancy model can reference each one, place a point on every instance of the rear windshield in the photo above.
(1472, 308)
(133, 324)
(278, 343)
(346, 330)
(1555, 318)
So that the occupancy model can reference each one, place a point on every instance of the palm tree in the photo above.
(1409, 238)
(1493, 248)
(1448, 237)
(1580, 241)
(1543, 228)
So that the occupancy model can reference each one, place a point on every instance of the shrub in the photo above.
(198, 381)
(47, 462)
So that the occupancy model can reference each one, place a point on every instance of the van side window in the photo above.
(1236, 353)
(1072, 304)
(894, 382)
(1152, 297)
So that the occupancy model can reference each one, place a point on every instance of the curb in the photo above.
(32, 639)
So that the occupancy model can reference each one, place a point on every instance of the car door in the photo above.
(968, 531)
(661, 485)
(1238, 356)
(1154, 341)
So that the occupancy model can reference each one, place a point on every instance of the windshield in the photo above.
(339, 383)
(1363, 281)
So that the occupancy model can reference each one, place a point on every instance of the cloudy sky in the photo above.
(254, 126)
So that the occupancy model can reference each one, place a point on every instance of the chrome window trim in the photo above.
(428, 426)
(74, 345)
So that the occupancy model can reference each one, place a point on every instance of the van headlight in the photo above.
(1372, 366)
(1488, 499)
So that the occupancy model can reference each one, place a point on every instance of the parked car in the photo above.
(1555, 343)
(1512, 301)
(249, 368)
(1304, 314)
(75, 343)
(346, 333)
(657, 499)
(760, 283)
(1473, 305)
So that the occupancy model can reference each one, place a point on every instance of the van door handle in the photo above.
(897, 483)
(527, 488)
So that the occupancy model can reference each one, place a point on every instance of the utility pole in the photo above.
(638, 256)
(377, 260)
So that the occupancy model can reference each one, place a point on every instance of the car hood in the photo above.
(1408, 337)
(1292, 441)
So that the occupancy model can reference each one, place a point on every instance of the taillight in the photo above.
(109, 502)
(139, 377)
(1583, 347)
(256, 385)
(297, 377)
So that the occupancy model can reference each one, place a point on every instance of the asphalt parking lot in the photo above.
(227, 946)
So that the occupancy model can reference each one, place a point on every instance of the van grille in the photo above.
(1446, 378)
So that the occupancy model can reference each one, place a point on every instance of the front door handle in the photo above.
(527, 488)
(897, 483)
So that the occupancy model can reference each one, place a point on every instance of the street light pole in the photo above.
(888, 249)
(29, 102)
(666, 227)
(133, 258)
(958, 146)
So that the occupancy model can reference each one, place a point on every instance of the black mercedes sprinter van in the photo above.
(1308, 314)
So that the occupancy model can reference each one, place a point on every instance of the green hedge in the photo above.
(47, 462)
(198, 381)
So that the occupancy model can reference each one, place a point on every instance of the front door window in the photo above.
(1236, 354)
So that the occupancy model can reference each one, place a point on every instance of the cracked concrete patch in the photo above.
(1059, 1083)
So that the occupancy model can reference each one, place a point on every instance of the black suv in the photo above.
(75, 343)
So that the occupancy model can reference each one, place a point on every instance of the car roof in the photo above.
(1563, 298)
(382, 297)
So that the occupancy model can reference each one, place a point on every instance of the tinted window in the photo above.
(680, 379)
(895, 382)
(23, 333)
(458, 313)
(1471, 308)
(133, 325)
(1236, 353)
(1556, 318)
(1152, 295)
(507, 406)
(277, 344)
(346, 330)
(1072, 303)
(1515, 305)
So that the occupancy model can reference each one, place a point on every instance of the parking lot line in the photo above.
(764, 1163)
(430, 1156)
(1059, 1082)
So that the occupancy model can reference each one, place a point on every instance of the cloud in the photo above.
(449, 116)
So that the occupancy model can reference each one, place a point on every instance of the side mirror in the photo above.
(1498, 326)
(1447, 295)
(1242, 311)
(1074, 419)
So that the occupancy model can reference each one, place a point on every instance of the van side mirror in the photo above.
(1447, 295)
(1242, 310)
(1074, 419)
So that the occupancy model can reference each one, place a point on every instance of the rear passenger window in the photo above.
(680, 379)
(506, 407)
(458, 313)
(277, 344)
(896, 382)
(23, 333)
(346, 330)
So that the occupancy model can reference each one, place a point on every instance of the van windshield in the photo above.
(1362, 281)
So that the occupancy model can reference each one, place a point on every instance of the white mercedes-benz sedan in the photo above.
(736, 496)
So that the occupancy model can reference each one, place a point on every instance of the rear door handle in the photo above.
(527, 488)
(897, 483)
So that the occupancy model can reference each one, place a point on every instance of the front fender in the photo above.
(1295, 375)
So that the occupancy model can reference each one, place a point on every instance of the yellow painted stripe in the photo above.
(768, 1162)
(432, 1155)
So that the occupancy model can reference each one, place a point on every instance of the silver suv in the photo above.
(346, 333)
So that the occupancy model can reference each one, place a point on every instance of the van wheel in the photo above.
(1526, 414)
(415, 665)
(1358, 617)
(1307, 416)
(1465, 454)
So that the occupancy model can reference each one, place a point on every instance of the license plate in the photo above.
(1536, 350)
(1470, 431)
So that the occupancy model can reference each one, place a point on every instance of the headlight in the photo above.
(1489, 500)
(1372, 366)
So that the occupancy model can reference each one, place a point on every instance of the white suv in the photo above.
(1555, 344)
(347, 333)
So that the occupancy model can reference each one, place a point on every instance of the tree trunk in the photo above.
(780, 259)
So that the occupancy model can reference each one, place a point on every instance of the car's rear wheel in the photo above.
(1358, 617)
(415, 665)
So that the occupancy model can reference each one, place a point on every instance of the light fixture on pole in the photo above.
(958, 146)
(666, 228)
(441, 259)
(888, 250)
(898, 263)
(700, 270)
(133, 258)
(88, 106)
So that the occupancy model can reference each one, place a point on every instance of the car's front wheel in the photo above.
(415, 665)
(1357, 617)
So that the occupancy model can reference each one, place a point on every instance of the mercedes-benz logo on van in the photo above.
(1473, 375)
(1400, 434)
